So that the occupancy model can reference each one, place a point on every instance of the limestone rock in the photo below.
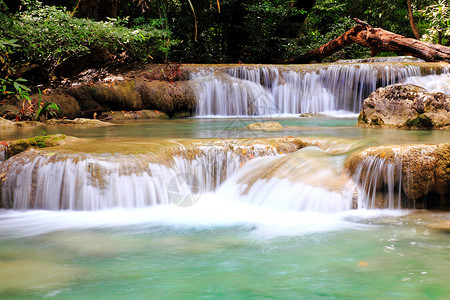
(79, 122)
(423, 171)
(67, 104)
(6, 123)
(265, 126)
(134, 115)
(441, 226)
(405, 106)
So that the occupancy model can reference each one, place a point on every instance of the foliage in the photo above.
(246, 31)
(45, 108)
(30, 109)
(327, 20)
(15, 87)
(49, 36)
(437, 17)
(6, 47)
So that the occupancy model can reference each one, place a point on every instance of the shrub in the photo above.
(49, 36)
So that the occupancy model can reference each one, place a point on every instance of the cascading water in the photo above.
(269, 90)
(433, 83)
(309, 179)
(306, 180)
(40, 180)
(380, 182)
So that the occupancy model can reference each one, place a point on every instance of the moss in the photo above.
(377, 122)
(362, 118)
(422, 121)
(22, 145)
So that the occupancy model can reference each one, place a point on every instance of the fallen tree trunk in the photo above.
(378, 40)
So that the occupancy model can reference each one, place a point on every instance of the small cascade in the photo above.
(381, 59)
(306, 180)
(380, 181)
(432, 83)
(406, 176)
(226, 95)
(58, 181)
(212, 164)
(263, 90)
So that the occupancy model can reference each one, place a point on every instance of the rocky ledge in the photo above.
(406, 106)
(421, 173)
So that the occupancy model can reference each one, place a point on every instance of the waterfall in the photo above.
(306, 180)
(380, 182)
(267, 90)
(381, 59)
(41, 180)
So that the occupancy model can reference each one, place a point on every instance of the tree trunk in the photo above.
(411, 21)
(98, 10)
(378, 40)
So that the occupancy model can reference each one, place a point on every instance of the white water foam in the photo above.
(432, 83)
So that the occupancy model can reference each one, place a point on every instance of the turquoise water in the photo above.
(235, 128)
(366, 255)
(218, 249)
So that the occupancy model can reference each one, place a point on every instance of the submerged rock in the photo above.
(28, 275)
(405, 106)
(441, 226)
(419, 172)
(265, 126)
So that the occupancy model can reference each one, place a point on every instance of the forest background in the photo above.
(47, 39)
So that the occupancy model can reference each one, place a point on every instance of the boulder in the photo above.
(78, 122)
(19, 146)
(67, 104)
(6, 123)
(167, 97)
(265, 126)
(134, 115)
(405, 106)
(422, 172)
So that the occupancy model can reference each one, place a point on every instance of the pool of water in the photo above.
(174, 253)
(220, 248)
(197, 128)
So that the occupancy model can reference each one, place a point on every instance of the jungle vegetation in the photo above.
(46, 39)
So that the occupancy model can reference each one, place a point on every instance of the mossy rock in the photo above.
(362, 119)
(443, 169)
(46, 141)
(422, 121)
(167, 97)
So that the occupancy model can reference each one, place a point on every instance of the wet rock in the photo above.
(6, 123)
(441, 226)
(134, 115)
(78, 122)
(18, 146)
(265, 126)
(310, 115)
(116, 95)
(405, 106)
(422, 171)
(166, 96)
